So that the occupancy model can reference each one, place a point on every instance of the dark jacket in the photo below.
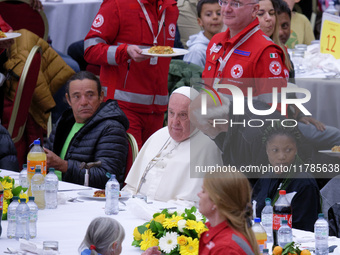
(306, 203)
(103, 137)
(8, 153)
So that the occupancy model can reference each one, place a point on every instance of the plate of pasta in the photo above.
(164, 51)
(8, 36)
(100, 194)
(334, 152)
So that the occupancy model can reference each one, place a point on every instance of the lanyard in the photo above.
(160, 24)
(225, 60)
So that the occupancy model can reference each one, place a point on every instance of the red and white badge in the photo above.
(98, 21)
(286, 73)
(172, 30)
(275, 67)
(236, 71)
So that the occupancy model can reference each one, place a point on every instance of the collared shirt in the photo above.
(223, 240)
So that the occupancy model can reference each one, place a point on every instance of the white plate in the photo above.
(331, 153)
(10, 36)
(177, 52)
(90, 193)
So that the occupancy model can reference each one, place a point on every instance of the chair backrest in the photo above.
(24, 93)
(19, 14)
(133, 151)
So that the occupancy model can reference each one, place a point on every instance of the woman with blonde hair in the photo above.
(225, 202)
(104, 236)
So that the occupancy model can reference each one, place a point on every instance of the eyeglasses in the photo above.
(233, 4)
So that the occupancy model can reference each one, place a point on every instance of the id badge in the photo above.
(153, 61)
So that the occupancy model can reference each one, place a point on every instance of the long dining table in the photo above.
(68, 223)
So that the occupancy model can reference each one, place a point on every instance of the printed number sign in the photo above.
(330, 35)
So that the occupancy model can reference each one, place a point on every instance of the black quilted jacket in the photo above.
(103, 137)
(8, 153)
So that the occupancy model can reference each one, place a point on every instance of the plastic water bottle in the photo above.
(11, 212)
(22, 220)
(267, 220)
(112, 196)
(33, 217)
(38, 188)
(285, 234)
(23, 181)
(331, 9)
(321, 236)
(35, 157)
(260, 234)
(51, 189)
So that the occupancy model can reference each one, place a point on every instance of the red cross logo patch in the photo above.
(98, 21)
(286, 73)
(236, 71)
(172, 30)
(275, 67)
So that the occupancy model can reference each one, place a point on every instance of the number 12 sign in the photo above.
(330, 35)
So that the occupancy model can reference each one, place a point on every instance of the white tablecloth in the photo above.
(69, 21)
(325, 94)
(68, 223)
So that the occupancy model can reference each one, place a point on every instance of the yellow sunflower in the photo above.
(148, 240)
(191, 248)
(4, 207)
(172, 222)
(23, 196)
(7, 185)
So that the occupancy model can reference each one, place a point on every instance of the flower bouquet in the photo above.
(174, 233)
(10, 190)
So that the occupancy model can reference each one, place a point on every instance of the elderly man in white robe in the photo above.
(165, 166)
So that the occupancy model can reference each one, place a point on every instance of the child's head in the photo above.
(284, 15)
(209, 17)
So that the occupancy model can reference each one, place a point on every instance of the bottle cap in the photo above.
(282, 192)
(257, 220)
(268, 200)
(24, 165)
(265, 250)
(31, 198)
(284, 222)
(320, 215)
(36, 141)
(15, 198)
(51, 169)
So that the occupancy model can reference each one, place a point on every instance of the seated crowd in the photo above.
(205, 128)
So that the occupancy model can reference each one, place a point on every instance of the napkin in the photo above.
(35, 248)
(140, 209)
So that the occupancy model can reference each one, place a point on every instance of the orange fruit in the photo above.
(277, 250)
(305, 252)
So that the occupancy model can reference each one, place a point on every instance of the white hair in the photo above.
(103, 232)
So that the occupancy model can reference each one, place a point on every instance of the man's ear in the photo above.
(256, 8)
(68, 99)
(101, 97)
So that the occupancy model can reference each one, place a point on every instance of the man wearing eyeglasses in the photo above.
(243, 55)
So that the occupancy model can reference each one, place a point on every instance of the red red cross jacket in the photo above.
(142, 87)
(257, 63)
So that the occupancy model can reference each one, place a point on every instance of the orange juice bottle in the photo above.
(36, 156)
(260, 234)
